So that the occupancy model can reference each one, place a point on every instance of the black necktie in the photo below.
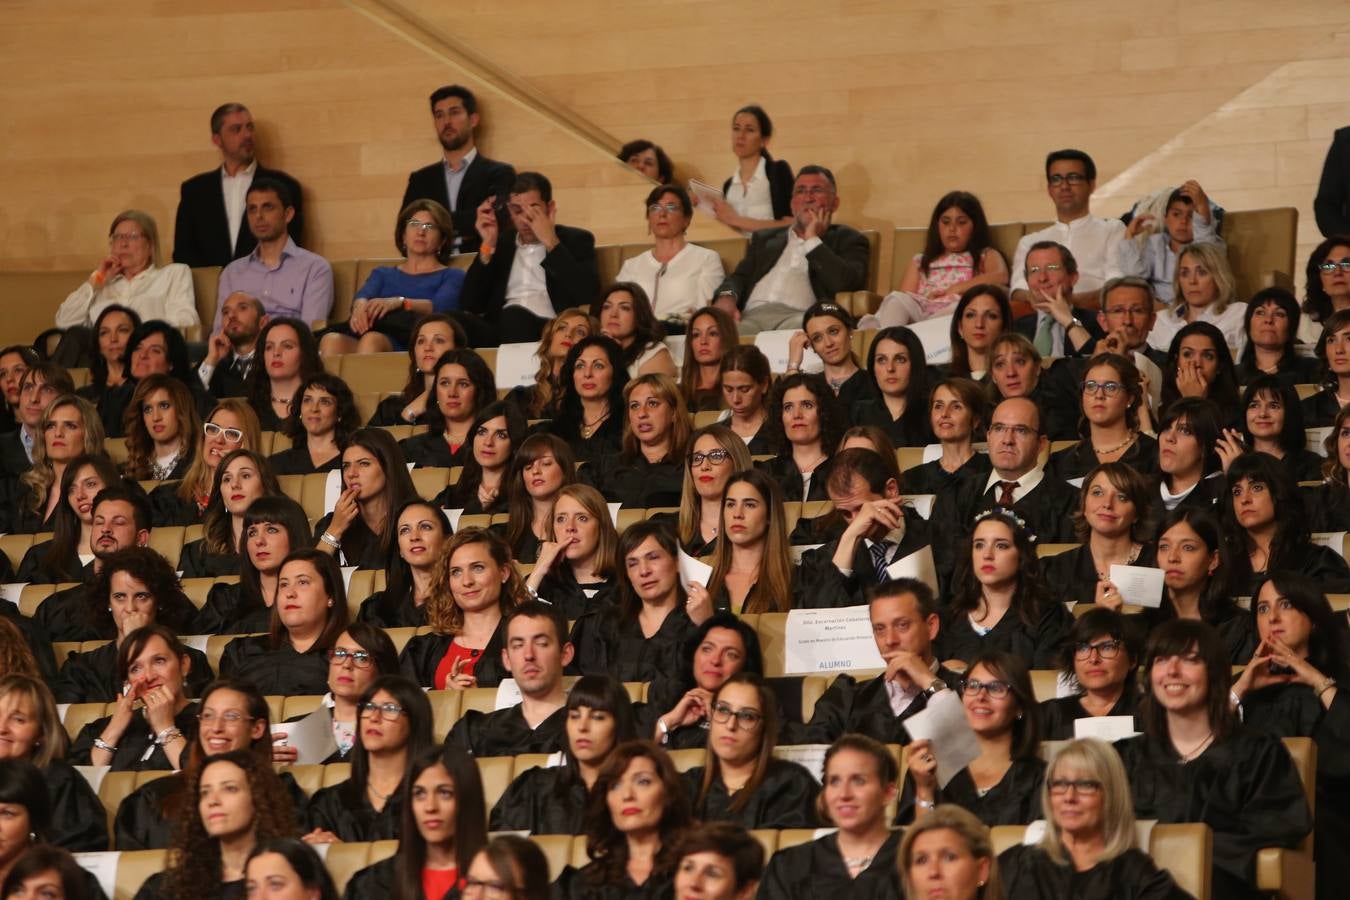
(880, 551)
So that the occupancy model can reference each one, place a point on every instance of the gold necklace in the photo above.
(588, 428)
(1129, 439)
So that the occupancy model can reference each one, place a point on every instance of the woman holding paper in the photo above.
(1115, 527)
(746, 384)
(463, 385)
(135, 588)
(241, 478)
(542, 467)
(649, 469)
(712, 335)
(540, 400)
(431, 337)
(759, 194)
(393, 728)
(474, 586)
(576, 571)
(1196, 763)
(1273, 425)
(1188, 458)
(740, 780)
(858, 860)
(375, 482)
(309, 612)
(722, 647)
(360, 655)
(1088, 850)
(806, 421)
(1099, 659)
(899, 401)
(421, 529)
(1114, 420)
(958, 413)
(679, 276)
(231, 425)
(715, 454)
(232, 715)
(319, 427)
(1002, 785)
(981, 315)
(948, 853)
(752, 568)
(552, 799)
(495, 434)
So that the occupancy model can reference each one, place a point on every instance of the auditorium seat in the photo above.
(359, 588)
(206, 291)
(197, 589)
(167, 541)
(685, 760)
(908, 458)
(78, 715)
(557, 850)
(1044, 550)
(309, 777)
(215, 648)
(116, 448)
(445, 711)
(496, 774)
(1286, 873)
(344, 859)
(336, 773)
(1044, 684)
(299, 705)
(374, 371)
(113, 789)
(292, 486)
(430, 481)
(134, 867)
(15, 546)
(32, 595)
(62, 650)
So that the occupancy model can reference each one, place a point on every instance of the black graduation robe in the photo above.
(429, 450)
(635, 482)
(1233, 624)
(197, 562)
(136, 749)
(606, 440)
(815, 871)
(855, 389)
(33, 571)
(91, 676)
(1039, 642)
(1326, 568)
(785, 798)
(1059, 714)
(79, 823)
(387, 610)
(607, 645)
(1320, 410)
(1328, 507)
(1028, 873)
(504, 732)
(1245, 788)
(1076, 461)
(423, 654)
(39, 644)
(64, 615)
(1015, 800)
(345, 810)
(360, 547)
(280, 671)
(872, 410)
(220, 614)
(852, 707)
(146, 817)
(167, 508)
(575, 884)
(931, 478)
(542, 801)
(154, 888)
(297, 461)
(1072, 575)
(783, 469)
(560, 588)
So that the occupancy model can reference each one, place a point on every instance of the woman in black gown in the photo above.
(421, 529)
(1195, 762)
(1191, 475)
(542, 467)
(1099, 658)
(718, 861)
(746, 383)
(1113, 523)
(858, 861)
(431, 337)
(375, 482)
(1088, 850)
(552, 800)
(949, 853)
(828, 330)
(287, 354)
(575, 570)
(241, 478)
(230, 425)
(1114, 419)
(591, 409)
(1328, 504)
(649, 469)
(495, 433)
(805, 424)
(1272, 423)
(162, 429)
(319, 427)
(27, 819)
(464, 384)
(715, 454)
(898, 403)
(63, 558)
(958, 412)
(679, 702)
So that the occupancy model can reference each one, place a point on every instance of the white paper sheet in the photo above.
(312, 736)
(1035, 831)
(936, 337)
(453, 515)
(12, 592)
(1104, 728)
(94, 775)
(922, 503)
(943, 722)
(693, 571)
(932, 452)
(1138, 585)
(102, 866)
(197, 642)
(675, 344)
(516, 365)
(812, 756)
(918, 564)
(508, 694)
(704, 194)
(829, 640)
(1333, 539)
(62, 709)
(1076, 482)
(1315, 437)
(347, 577)
(774, 345)
(614, 512)
(799, 549)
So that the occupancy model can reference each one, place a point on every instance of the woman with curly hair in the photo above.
(136, 587)
(649, 470)
(712, 335)
(68, 555)
(422, 530)
(375, 482)
(431, 337)
(240, 803)
(540, 399)
(626, 317)
(69, 428)
(230, 425)
(474, 586)
(242, 478)
(319, 428)
(16, 656)
(635, 816)
(462, 386)
(542, 467)
(161, 428)
(496, 433)
(591, 410)
(999, 599)
(287, 355)
(806, 423)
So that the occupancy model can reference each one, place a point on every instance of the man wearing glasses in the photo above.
(525, 275)
(1071, 177)
(787, 270)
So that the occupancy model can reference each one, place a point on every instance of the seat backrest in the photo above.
(206, 291)
(309, 777)
(608, 261)
(430, 481)
(336, 773)
(496, 775)
(1004, 837)
(791, 837)
(685, 760)
(344, 859)
(1260, 243)
(557, 850)
(1044, 684)
(1044, 550)
(400, 637)
(79, 715)
(167, 540)
(215, 648)
(445, 710)
(376, 371)
(1186, 851)
(813, 688)
(297, 705)
(359, 587)
(134, 867)
(116, 448)
(15, 546)
(312, 494)
(291, 485)
(772, 630)
(113, 789)
(1304, 753)
(197, 589)
(344, 289)
(480, 699)
(32, 595)
(732, 250)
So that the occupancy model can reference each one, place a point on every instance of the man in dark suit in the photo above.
(211, 228)
(787, 270)
(462, 180)
(525, 275)
(1331, 206)
(230, 352)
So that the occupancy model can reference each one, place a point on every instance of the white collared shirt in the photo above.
(155, 293)
(1230, 322)
(751, 199)
(686, 284)
(900, 698)
(526, 285)
(1093, 243)
(789, 281)
(1025, 485)
(235, 187)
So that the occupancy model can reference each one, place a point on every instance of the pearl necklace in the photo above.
(1130, 439)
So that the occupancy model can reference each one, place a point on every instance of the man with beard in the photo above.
(210, 229)
(229, 353)
(463, 179)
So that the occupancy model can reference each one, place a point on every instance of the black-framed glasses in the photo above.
(670, 208)
(339, 655)
(1332, 265)
(1074, 178)
(229, 717)
(716, 457)
(1109, 388)
(1048, 267)
(390, 711)
(491, 890)
(232, 435)
(749, 719)
(1109, 649)
(1085, 786)
(997, 689)
(420, 225)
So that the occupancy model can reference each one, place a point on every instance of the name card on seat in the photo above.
(829, 640)
(809, 756)
(936, 337)
(103, 866)
(774, 346)
(516, 365)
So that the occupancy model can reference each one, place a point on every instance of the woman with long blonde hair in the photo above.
(1205, 290)
(69, 427)
(231, 425)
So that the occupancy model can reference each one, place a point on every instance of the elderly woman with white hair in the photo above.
(1088, 850)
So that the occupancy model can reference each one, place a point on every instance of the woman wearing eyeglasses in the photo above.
(231, 425)
(1328, 283)
(575, 570)
(740, 780)
(1114, 420)
(509, 866)
(1114, 524)
(231, 715)
(678, 276)
(715, 454)
(393, 728)
(1088, 851)
(421, 529)
(1003, 785)
(1099, 659)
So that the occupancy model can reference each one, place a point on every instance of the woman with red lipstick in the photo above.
(473, 588)
(135, 588)
(949, 854)
(1333, 350)
(319, 428)
(1273, 425)
(635, 816)
(309, 612)
(69, 427)
(722, 646)
(231, 715)
(828, 330)
(289, 355)
(746, 383)
(677, 275)
(497, 431)
(393, 728)
(898, 403)
(540, 469)
(162, 429)
(463, 386)
(752, 568)
(273, 527)
(999, 598)
(1099, 659)
(740, 780)
(626, 317)
(66, 556)
(430, 338)
(858, 860)
(231, 425)
(1114, 526)
(421, 529)
(1272, 326)
(591, 411)
(711, 336)
(642, 635)
(375, 482)
(575, 571)
(1002, 786)
(443, 825)
(649, 471)
(241, 478)
(240, 803)
(981, 315)
(1114, 418)
(540, 400)
(1195, 762)
(805, 423)
(552, 799)
(958, 413)
(718, 861)
(715, 454)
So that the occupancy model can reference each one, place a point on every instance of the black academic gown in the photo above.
(154, 888)
(423, 654)
(32, 569)
(871, 409)
(197, 562)
(1324, 566)
(1072, 575)
(815, 871)
(79, 823)
(575, 884)
(1038, 642)
(345, 810)
(1015, 800)
(136, 749)
(64, 615)
(1028, 873)
(1320, 410)
(146, 817)
(386, 610)
(504, 732)
(635, 482)
(542, 801)
(220, 614)
(1059, 714)
(91, 676)
(1203, 496)
(39, 643)
(931, 478)
(167, 508)
(296, 460)
(1328, 507)
(281, 671)
(783, 469)
(823, 586)
(1076, 461)
(606, 645)
(849, 706)
(1233, 624)
(1245, 788)
(785, 798)
(429, 450)
(560, 588)
(360, 546)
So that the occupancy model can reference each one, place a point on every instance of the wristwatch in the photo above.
(937, 685)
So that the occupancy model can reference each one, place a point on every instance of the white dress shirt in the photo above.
(1093, 243)
(526, 285)
(680, 286)
(1025, 485)
(235, 188)
(154, 294)
(902, 699)
(789, 281)
(751, 199)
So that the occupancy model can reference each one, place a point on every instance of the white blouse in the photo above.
(1169, 322)
(156, 293)
(679, 287)
(751, 199)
